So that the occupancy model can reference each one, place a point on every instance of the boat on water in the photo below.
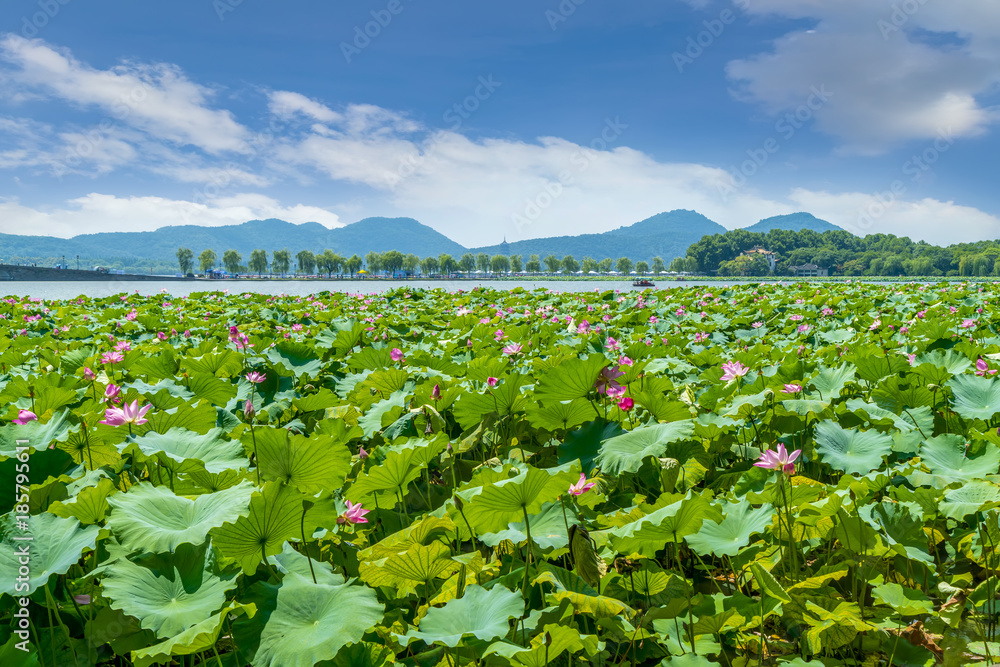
(643, 283)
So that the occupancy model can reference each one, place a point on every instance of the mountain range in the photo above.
(666, 235)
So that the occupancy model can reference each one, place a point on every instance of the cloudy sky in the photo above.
(515, 119)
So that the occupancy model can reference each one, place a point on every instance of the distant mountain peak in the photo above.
(793, 222)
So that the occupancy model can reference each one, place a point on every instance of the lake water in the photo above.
(69, 290)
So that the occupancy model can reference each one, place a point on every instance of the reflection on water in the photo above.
(69, 290)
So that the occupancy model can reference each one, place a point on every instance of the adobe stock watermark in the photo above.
(363, 35)
(698, 43)
(580, 162)
(47, 10)
(93, 138)
(223, 7)
(902, 12)
(562, 12)
(462, 111)
(916, 167)
(22, 538)
(786, 128)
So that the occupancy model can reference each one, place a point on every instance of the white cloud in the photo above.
(286, 104)
(157, 99)
(895, 74)
(97, 212)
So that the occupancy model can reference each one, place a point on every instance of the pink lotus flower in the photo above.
(128, 414)
(968, 324)
(795, 318)
(110, 358)
(396, 354)
(803, 328)
(608, 380)
(111, 392)
(123, 346)
(88, 374)
(779, 460)
(624, 361)
(354, 514)
(614, 393)
(492, 381)
(612, 344)
(583, 327)
(255, 377)
(581, 487)
(161, 335)
(733, 370)
(362, 454)
(983, 368)
(512, 349)
(757, 325)
(25, 416)
(626, 404)
(436, 393)
(248, 410)
(187, 333)
(700, 336)
(827, 311)
(498, 335)
(875, 325)
(793, 389)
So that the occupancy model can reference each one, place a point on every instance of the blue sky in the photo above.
(488, 120)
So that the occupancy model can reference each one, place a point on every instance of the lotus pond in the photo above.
(750, 475)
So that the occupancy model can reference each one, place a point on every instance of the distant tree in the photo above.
(373, 262)
(604, 266)
(446, 263)
(206, 260)
(483, 262)
(500, 264)
(515, 264)
(684, 265)
(534, 265)
(353, 265)
(468, 262)
(552, 263)
(642, 267)
(281, 261)
(232, 260)
(570, 265)
(429, 266)
(745, 265)
(658, 266)
(588, 264)
(411, 263)
(307, 261)
(624, 265)
(185, 259)
(392, 261)
(257, 262)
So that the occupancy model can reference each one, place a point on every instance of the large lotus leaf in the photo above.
(850, 450)
(275, 516)
(482, 613)
(585, 444)
(563, 415)
(571, 378)
(549, 644)
(566, 585)
(152, 518)
(200, 418)
(296, 358)
(311, 464)
(402, 464)
(89, 505)
(904, 601)
(312, 622)
(651, 533)
(829, 382)
(419, 564)
(182, 450)
(166, 602)
(504, 399)
(975, 397)
(199, 637)
(420, 532)
(35, 434)
(508, 500)
(55, 546)
(625, 453)
(373, 420)
(365, 654)
(548, 528)
(726, 538)
(974, 496)
(945, 456)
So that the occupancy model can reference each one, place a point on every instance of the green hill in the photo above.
(666, 235)
(794, 222)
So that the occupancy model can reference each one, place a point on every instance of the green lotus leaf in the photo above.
(506, 501)
(184, 451)
(974, 496)
(651, 533)
(36, 434)
(945, 456)
(374, 420)
(904, 601)
(418, 564)
(975, 397)
(312, 622)
(504, 399)
(481, 613)
(850, 450)
(562, 415)
(275, 516)
(402, 464)
(152, 518)
(565, 585)
(168, 602)
(548, 528)
(310, 464)
(570, 379)
(199, 637)
(89, 505)
(625, 453)
(740, 522)
(53, 546)
(829, 382)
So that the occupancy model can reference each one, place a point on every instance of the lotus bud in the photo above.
(248, 410)
(458, 503)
